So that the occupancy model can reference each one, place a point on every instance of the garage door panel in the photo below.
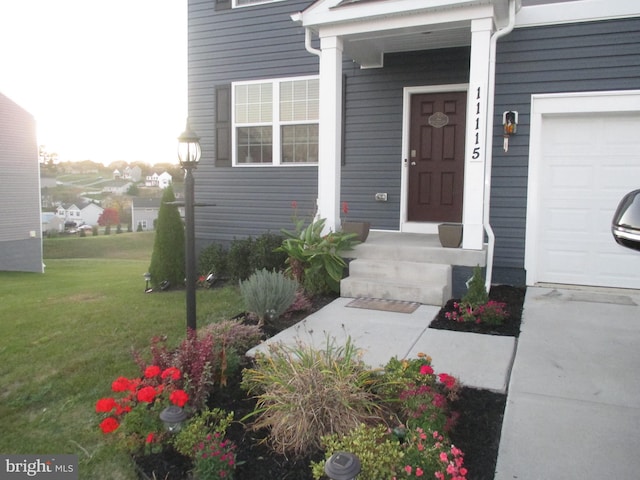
(586, 167)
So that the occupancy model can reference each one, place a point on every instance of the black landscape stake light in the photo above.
(173, 417)
(147, 279)
(189, 155)
(342, 466)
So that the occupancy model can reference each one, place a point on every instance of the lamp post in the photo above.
(189, 156)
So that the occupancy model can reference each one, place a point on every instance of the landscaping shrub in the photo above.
(378, 451)
(268, 294)
(167, 260)
(213, 259)
(265, 253)
(304, 394)
(475, 305)
(238, 263)
(315, 260)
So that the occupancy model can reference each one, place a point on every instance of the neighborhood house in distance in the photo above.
(513, 120)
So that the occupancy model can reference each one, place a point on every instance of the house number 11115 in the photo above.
(475, 155)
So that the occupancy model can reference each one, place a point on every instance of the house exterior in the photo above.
(90, 213)
(132, 173)
(51, 223)
(161, 181)
(69, 213)
(144, 213)
(20, 213)
(514, 118)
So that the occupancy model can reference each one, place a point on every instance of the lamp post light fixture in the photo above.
(189, 155)
(342, 466)
(173, 417)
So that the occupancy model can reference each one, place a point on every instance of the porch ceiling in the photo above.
(371, 28)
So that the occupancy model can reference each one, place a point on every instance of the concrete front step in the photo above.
(416, 273)
(395, 290)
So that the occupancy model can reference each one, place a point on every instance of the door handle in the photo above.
(413, 163)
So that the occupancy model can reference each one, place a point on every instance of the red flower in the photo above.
(105, 405)
(426, 370)
(152, 371)
(179, 398)
(146, 394)
(447, 380)
(150, 438)
(109, 424)
(294, 204)
(121, 384)
(171, 372)
(345, 207)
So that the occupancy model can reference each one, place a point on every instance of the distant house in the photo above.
(68, 214)
(20, 213)
(117, 187)
(144, 212)
(117, 174)
(132, 173)
(90, 213)
(51, 223)
(161, 181)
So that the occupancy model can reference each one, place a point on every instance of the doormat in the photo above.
(397, 306)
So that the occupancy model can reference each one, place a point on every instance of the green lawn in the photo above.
(68, 333)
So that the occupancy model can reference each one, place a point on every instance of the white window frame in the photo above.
(234, 3)
(276, 123)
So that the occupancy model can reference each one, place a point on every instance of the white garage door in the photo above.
(588, 161)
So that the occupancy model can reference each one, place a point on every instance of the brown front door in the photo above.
(436, 157)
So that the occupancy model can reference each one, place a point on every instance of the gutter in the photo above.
(491, 238)
(307, 42)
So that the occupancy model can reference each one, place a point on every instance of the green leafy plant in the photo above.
(213, 259)
(379, 452)
(268, 294)
(475, 305)
(199, 426)
(303, 394)
(314, 259)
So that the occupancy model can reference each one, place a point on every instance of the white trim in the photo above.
(546, 105)
(234, 3)
(405, 225)
(275, 123)
(576, 11)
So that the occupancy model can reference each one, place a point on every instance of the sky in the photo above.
(105, 80)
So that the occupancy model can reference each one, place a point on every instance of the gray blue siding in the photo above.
(20, 220)
(592, 56)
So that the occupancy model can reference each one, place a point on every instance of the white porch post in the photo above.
(475, 156)
(330, 132)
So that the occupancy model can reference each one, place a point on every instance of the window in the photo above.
(247, 3)
(276, 122)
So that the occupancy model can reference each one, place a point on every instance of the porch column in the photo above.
(477, 104)
(330, 132)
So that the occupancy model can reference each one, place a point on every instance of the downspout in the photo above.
(307, 43)
(491, 238)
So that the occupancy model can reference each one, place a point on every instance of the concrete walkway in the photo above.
(573, 376)
(573, 408)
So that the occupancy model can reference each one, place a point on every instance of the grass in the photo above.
(68, 333)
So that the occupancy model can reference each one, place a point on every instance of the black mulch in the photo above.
(477, 432)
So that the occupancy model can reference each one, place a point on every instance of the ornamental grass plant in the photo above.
(303, 394)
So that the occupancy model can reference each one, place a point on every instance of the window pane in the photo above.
(299, 100)
(254, 103)
(255, 145)
(299, 143)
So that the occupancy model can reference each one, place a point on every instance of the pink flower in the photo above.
(419, 472)
(443, 457)
(345, 207)
(426, 370)
(408, 469)
(447, 380)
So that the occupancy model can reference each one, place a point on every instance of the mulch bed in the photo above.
(477, 432)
